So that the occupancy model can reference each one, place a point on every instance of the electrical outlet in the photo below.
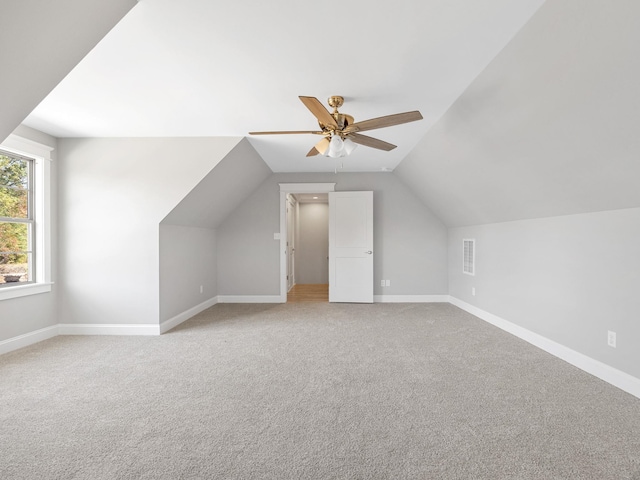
(201, 289)
(387, 283)
(473, 291)
(611, 338)
(382, 283)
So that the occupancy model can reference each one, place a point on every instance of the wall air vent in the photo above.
(468, 256)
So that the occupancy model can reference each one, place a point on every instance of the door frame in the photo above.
(292, 222)
(293, 188)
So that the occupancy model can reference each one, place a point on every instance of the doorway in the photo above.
(351, 227)
(307, 247)
(295, 189)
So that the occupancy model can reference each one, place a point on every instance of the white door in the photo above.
(291, 235)
(351, 247)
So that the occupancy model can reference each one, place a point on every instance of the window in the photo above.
(468, 256)
(24, 218)
(17, 226)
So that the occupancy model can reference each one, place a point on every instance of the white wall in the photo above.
(569, 278)
(312, 246)
(19, 316)
(410, 243)
(114, 192)
(187, 263)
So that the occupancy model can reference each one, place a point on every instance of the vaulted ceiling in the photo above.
(530, 108)
(211, 68)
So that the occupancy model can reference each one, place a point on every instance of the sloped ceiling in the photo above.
(212, 68)
(40, 42)
(219, 193)
(549, 128)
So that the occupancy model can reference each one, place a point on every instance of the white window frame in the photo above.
(41, 155)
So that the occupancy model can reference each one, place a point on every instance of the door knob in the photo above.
(368, 252)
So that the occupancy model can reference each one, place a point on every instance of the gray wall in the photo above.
(548, 128)
(187, 262)
(312, 246)
(410, 242)
(114, 192)
(27, 314)
(568, 278)
(188, 257)
(235, 177)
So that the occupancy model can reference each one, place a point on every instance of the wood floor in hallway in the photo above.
(308, 293)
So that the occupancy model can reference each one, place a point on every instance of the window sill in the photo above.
(7, 293)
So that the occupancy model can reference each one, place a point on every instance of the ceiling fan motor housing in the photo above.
(342, 120)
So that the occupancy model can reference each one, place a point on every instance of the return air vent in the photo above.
(468, 256)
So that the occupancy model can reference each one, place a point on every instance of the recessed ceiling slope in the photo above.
(41, 42)
(549, 128)
(203, 68)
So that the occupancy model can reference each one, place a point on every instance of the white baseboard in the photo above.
(186, 315)
(410, 298)
(108, 329)
(615, 377)
(27, 339)
(250, 299)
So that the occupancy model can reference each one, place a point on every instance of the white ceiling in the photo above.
(312, 197)
(212, 68)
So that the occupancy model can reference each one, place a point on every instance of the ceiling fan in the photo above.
(340, 133)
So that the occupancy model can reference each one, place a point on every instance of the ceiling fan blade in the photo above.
(290, 132)
(321, 147)
(386, 121)
(371, 142)
(319, 110)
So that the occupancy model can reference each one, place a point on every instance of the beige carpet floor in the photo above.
(311, 391)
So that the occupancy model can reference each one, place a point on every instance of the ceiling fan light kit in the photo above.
(340, 132)
(338, 147)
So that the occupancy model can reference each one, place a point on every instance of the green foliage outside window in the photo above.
(14, 182)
